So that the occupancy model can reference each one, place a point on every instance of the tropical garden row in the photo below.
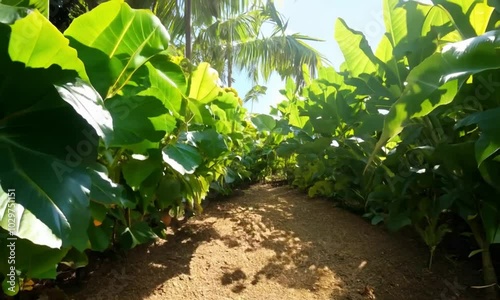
(108, 132)
(406, 133)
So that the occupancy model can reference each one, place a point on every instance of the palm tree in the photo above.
(229, 34)
(199, 13)
(218, 42)
(281, 52)
(254, 94)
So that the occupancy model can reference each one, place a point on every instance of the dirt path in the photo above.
(275, 243)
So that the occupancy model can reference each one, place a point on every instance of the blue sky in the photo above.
(316, 18)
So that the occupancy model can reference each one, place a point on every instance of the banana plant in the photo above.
(428, 90)
(45, 158)
(112, 133)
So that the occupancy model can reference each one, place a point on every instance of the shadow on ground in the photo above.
(146, 268)
(274, 242)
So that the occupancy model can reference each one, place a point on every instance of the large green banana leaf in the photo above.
(114, 41)
(125, 56)
(43, 155)
(469, 17)
(437, 80)
(358, 55)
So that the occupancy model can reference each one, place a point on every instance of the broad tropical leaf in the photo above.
(209, 143)
(469, 17)
(114, 41)
(358, 55)
(89, 105)
(169, 192)
(138, 118)
(439, 25)
(436, 81)
(396, 25)
(182, 158)
(42, 155)
(165, 81)
(204, 87)
(106, 192)
(136, 234)
(49, 48)
(136, 171)
(38, 44)
(480, 16)
(26, 226)
(34, 261)
(488, 142)
(394, 44)
(264, 123)
(385, 52)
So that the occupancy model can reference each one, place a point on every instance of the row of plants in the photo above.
(106, 134)
(406, 133)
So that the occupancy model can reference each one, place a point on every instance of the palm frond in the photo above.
(284, 54)
(228, 32)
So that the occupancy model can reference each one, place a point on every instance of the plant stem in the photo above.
(114, 172)
(438, 127)
(128, 218)
(431, 257)
(489, 274)
(431, 130)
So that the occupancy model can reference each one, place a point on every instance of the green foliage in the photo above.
(31, 117)
(41, 5)
(408, 132)
(234, 34)
(437, 80)
(110, 135)
(182, 158)
(114, 134)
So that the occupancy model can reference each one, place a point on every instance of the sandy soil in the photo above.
(275, 243)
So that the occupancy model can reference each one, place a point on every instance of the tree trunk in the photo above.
(187, 17)
(229, 66)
